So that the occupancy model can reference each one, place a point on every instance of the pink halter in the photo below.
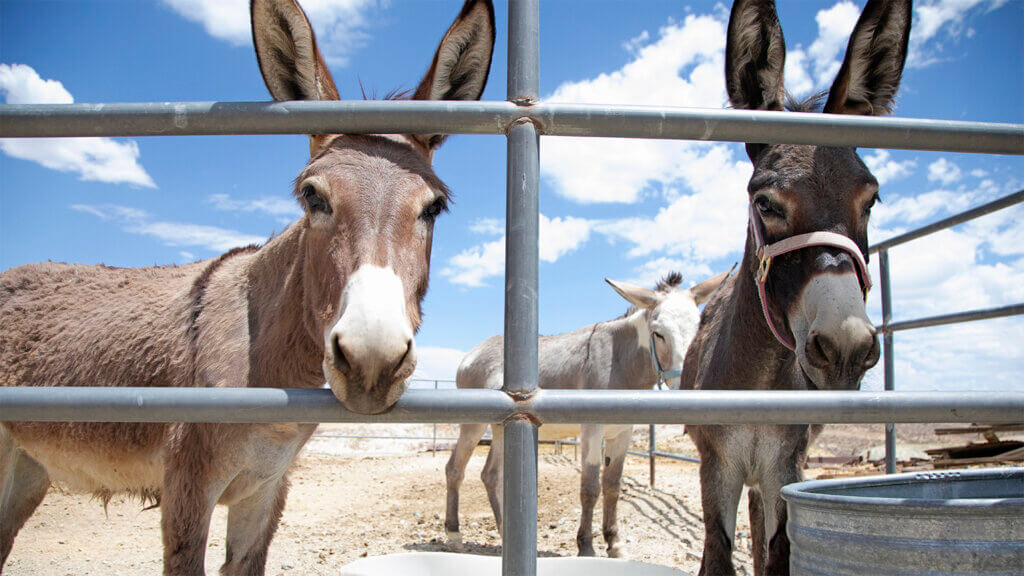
(769, 251)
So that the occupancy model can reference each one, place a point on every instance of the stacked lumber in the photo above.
(991, 451)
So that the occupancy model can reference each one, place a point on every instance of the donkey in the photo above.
(626, 353)
(336, 296)
(793, 317)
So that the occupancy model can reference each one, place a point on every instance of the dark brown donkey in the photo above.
(812, 332)
(336, 296)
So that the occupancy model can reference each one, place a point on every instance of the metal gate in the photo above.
(520, 407)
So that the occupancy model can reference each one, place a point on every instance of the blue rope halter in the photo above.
(663, 375)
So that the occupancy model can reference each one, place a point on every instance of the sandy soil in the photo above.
(353, 498)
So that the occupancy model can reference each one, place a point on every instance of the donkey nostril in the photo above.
(820, 350)
(873, 353)
(340, 360)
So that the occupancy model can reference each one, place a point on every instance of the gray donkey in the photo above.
(626, 353)
(792, 318)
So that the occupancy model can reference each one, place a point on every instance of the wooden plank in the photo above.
(1011, 456)
(979, 428)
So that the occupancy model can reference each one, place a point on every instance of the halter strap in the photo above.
(663, 375)
(765, 253)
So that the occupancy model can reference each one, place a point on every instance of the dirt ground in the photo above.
(353, 498)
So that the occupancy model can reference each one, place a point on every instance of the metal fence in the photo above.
(520, 407)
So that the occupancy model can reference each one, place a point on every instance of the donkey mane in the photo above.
(671, 281)
(812, 103)
(202, 282)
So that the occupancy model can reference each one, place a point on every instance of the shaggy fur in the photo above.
(253, 317)
(794, 190)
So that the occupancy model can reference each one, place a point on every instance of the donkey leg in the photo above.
(590, 486)
(455, 471)
(252, 523)
(720, 489)
(493, 474)
(189, 495)
(757, 542)
(775, 517)
(23, 485)
(611, 478)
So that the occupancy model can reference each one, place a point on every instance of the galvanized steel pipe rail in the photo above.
(550, 119)
(264, 405)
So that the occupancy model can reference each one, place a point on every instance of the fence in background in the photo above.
(519, 407)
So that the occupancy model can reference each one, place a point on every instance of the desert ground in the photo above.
(352, 498)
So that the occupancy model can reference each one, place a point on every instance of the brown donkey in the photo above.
(793, 319)
(336, 296)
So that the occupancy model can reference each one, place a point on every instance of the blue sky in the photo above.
(625, 209)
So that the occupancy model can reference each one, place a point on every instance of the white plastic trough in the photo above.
(449, 564)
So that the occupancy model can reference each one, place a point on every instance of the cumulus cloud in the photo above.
(558, 236)
(340, 25)
(284, 210)
(886, 169)
(93, 159)
(437, 363)
(944, 171)
(683, 67)
(937, 21)
(136, 221)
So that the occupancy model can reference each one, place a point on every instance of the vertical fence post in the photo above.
(435, 427)
(887, 359)
(651, 449)
(519, 520)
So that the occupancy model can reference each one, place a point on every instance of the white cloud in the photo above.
(915, 209)
(437, 363)
(473, 265)
(816, 66)
(886, 169)
(938, 20)
(93, 159)
(834, 27)
(558, 236)
(650, 272)
(340, 25)
(682, 68)
(135, 221)
(284, 210)
(944, 171)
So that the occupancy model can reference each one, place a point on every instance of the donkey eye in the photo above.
(871, 203)
(659, 336)
(431, 212)
(315, 202)
(764, 206)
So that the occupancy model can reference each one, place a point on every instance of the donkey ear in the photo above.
(755, 56)
(870, 74)
(636, 295)
(289, 60)
(702, 292)
(462, 62)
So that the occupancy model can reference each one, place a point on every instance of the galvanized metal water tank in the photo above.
(925, 523)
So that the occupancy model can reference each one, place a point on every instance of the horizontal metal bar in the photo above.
(552, 119)
(994, 206)
(100, 404)
(670, 455)
(955, 318)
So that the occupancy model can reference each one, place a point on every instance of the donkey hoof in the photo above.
(455, 541)
(618, 551)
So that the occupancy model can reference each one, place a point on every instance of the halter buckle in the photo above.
(763, 267)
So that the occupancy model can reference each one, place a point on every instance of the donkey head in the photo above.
(671, 317)
(370, 204)
(816, 291)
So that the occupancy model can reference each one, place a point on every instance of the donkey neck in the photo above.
(283, 348)
(765, 363)
(628, 353)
